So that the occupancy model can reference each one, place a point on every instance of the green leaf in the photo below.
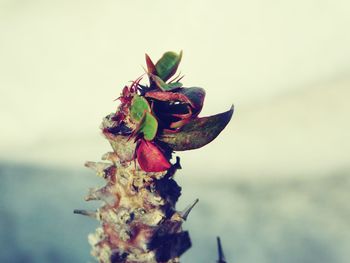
(138, 106)
(165, 86)
(167, 65)
(198, 132)
(159, 82)
(148, 126)
(174, 85)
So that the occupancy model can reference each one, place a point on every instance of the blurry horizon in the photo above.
(269, 220)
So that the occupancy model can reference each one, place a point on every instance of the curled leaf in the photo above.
(198, 132)
(186, 115)
(196, 96)
(168, 64)
(138, 106)
(151, 158)
(179, 124)
(168, 96)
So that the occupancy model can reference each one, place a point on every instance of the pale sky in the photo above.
(63, 62)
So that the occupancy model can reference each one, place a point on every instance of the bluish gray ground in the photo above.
(266, 220)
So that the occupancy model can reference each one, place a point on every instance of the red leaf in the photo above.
(150, 157)
(179, 124)
(151, 69)
(184, 115)
(168, 96)
(150, 65)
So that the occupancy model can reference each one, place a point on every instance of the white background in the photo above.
(284, 64)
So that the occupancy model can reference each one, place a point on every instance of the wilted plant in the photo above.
(139, 222)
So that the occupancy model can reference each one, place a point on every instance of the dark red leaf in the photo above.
(198, 132)
(151, 68)
(186, 115)
(150, 65)
(196, 96)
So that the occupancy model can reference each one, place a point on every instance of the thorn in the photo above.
(181, 78)
(184, 214)
(177, 164)
(173, 79)
(145, 70)
(172, 170)
(101, 194)
(94, 194)
(92, 214)
(111, 156)
(98, 167)
(220, 252)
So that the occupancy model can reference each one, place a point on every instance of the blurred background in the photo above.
(274, 185)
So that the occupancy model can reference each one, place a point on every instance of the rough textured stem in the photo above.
(139, 222)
